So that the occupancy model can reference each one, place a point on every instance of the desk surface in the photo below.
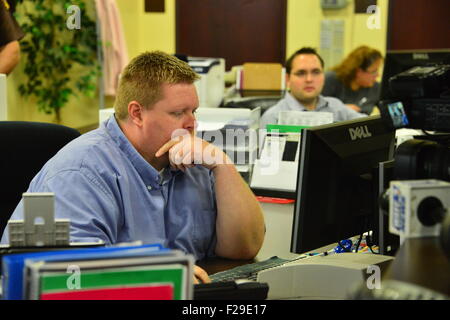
(418, 261)
(421, 261)
(217, 264)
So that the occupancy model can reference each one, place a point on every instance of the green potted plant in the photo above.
(59, 52)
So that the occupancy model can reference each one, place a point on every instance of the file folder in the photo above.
(172, 275)
(13, 265)
(150, 292)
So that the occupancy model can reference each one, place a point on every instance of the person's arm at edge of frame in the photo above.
(240, 221)
(9, 57)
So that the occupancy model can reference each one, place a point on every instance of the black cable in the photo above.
(370, 244)
(366, 226)
(359, 242)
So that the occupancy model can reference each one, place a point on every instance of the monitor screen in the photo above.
(397, 61)
(337, 190)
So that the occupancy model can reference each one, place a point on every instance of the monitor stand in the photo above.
(323, 277)
(388, 243)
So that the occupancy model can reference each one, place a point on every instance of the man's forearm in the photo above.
(240, 222)
(9, 57)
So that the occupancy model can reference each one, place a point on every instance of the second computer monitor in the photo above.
(336, 189)
(397, 61)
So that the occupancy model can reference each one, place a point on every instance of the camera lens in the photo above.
(422, 159)
(430, 211)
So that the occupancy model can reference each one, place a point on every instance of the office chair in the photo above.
(25, 148)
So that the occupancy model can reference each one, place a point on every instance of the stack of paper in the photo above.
(278, 163)
(277, 166)
(233, 130)
(304, 118)
(137, 273)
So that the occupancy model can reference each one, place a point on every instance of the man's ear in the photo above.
(135, 112)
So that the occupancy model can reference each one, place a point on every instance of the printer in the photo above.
(211, 86)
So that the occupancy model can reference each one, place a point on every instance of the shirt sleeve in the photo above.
(372, 99)
(269, 117)
(211, 250)
(346, 113)
(93, 212)
(352, 114)
(92, 209)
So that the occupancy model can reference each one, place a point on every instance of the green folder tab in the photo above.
(284, 128)
(58, 282)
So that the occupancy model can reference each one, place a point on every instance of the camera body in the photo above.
(417, 208)
(422, 99)
(419, 194)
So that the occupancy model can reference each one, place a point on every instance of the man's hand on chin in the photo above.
(185, 151)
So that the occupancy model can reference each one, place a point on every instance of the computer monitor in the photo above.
(397, 61)
(337, 188)
(388, 243)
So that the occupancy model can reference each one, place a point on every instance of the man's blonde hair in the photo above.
(142, 78)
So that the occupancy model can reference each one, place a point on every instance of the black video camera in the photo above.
(421, 99)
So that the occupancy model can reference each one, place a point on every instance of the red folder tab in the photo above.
(157, 292)
(274, 200)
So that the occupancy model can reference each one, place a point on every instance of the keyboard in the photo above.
(250, 271)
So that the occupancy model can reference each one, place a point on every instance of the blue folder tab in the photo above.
(13, 265)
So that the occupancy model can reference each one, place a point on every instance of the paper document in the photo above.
(304, 118)
(209, 126)
(277, 167)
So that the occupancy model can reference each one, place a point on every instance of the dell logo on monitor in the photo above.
(359, 132)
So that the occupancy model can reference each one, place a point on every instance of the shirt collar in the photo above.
(149, 175)
(321, 103)
(295, 105)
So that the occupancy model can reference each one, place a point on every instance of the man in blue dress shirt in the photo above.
(144, 175)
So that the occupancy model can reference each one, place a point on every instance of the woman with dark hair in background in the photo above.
(353, 81)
